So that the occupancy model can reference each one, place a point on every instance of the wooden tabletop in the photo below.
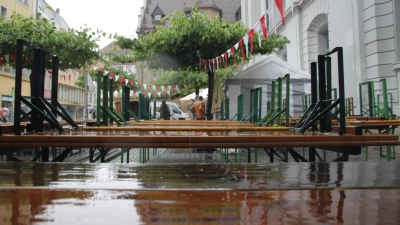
(192, 139)
(168, 127)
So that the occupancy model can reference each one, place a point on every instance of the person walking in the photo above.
(191, 104)
(199, 109)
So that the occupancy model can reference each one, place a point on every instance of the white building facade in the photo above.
(368, 31)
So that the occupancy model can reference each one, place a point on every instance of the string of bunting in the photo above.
(222, 60)
(148, 90)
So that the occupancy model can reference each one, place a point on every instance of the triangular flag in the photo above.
(69, 77)
(163, 93)
(159, 94)
(271, 15)
(162, 88)
(145, 86)
(101, 70)
(131, 93)
(141, 85)
(264, 28)
(279, 4)
(241, 48)
(131, 83)
(226, 59)
(291, 3)
(251, 36)
(150, 87)
(229, 53)
(149, 94)
(14, 56)
(111, 75)
(166, 87)
(257, 30)
(233, 54)
(144, 93)
(158, 88)
(116, 77)
(168, 92)
(246, 43)
(154, 94)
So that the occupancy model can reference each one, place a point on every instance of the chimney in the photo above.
(58, 11)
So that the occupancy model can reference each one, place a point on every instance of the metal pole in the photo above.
(86, 113)
(322, 91)
(54, 82)
(18, 87)
(341, 92)
(98, 86)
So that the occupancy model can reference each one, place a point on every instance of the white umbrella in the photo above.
(218, 95)
(202, 92)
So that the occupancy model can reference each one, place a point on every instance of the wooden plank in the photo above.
(186, 128)
(194, 140)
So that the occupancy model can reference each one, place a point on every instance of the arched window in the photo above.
(317, 39)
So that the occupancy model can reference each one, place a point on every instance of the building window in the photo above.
(26, 2)
(157, 17)
(3, 11)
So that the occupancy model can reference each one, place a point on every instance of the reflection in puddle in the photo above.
(37, 206)
(291, 193)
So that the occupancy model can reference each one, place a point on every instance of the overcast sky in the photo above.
(116, 16)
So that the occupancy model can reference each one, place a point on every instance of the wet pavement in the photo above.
(279, 193)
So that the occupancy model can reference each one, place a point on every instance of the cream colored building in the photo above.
(368, 31)
(69, 96)
(26, 8)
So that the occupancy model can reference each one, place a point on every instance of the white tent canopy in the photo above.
(261, 75)
(202, 92)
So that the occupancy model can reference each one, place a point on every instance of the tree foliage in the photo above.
(75, 48)
(185, 40)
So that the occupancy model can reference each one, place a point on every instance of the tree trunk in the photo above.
(210, 94)
(197, 90)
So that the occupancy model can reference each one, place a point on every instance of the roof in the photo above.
(271, 67)
(48, 13)
(108, 48)
(146, 23)
(207, 4)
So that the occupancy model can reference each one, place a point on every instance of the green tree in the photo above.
(186, 40)
(75, 48)
(192, 79)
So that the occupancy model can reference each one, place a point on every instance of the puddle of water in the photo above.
(65, 206)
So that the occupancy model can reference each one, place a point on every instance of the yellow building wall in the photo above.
(211, 13)
(7, 82)
(19, 7)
